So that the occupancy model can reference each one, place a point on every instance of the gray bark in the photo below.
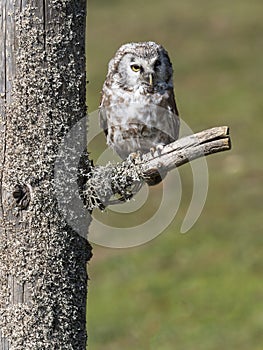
(43, 278)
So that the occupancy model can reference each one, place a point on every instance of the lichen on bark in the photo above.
(42, 259)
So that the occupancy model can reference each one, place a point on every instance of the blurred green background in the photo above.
(203, 289)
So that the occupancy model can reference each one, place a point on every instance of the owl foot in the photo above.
(135, 157)
(152, 150)
(157, 149)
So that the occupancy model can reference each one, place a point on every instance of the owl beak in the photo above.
(151, 79)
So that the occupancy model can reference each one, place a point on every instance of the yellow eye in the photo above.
(135, 67)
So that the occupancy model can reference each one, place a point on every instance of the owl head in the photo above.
(145, 64)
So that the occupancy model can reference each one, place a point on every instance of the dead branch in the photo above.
(188, 148)
(118, 182)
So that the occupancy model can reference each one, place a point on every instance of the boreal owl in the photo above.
(138, 112)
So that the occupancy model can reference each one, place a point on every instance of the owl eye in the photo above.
(135, 67)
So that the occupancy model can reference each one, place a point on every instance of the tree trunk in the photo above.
(43, 279)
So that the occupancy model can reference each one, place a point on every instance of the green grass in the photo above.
(201, 290)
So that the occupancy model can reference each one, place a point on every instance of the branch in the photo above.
(119, 182)
(189, 148)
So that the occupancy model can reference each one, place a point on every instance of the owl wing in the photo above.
(171, 104)
(105, 100)
(103, 121)
(102, 113)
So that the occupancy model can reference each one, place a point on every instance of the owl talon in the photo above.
(159, 149)
(135, 157)
(131, 157)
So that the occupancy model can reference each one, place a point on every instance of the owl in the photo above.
(138, 112)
